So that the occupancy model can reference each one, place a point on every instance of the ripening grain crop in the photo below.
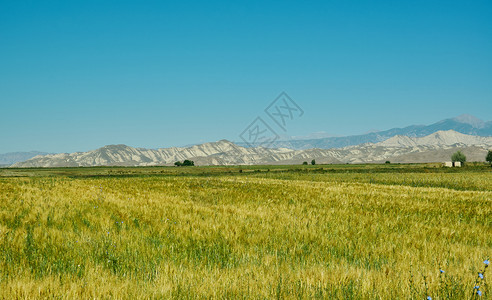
(347, 236)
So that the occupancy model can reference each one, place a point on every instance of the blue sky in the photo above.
(77, 75)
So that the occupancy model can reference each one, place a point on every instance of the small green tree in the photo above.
(489, 157)
(387, 162)
(313, 162)
(305, 163)
(458, 156)
(187, 162)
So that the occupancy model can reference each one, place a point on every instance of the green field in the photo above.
(261, 232)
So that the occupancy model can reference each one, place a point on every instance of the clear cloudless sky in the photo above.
(78, 75)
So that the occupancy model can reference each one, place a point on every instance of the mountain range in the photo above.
(466, 124)
(416, 143)
(13, 157)
(437, 146)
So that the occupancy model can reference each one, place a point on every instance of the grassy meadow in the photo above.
(257, 232)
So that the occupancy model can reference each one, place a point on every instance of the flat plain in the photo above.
(260, 232)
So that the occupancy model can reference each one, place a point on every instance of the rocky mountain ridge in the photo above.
(227, 153)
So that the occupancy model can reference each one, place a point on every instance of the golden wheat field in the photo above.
(259, 234)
